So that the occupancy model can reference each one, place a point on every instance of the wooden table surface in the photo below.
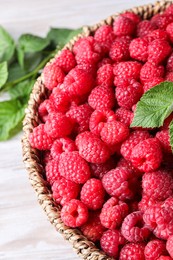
(25, 232)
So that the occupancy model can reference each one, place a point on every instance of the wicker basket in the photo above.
(85, 248)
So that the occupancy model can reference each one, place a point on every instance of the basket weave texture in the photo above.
(31, 157)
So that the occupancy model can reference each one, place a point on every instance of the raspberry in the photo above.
(169, 76)
(127, 164)
(152, 83)
(162, 20)
(64, 190)
(113, 213)
(105, 75)
(158, 50)
(62, 145)
(52, 171)
(144, 28)
(92, 194)
(169, 10)
(88, 68)
(125, 116)
(45, 108)
(135, 138)
(158, 185)
(169, 30)
(119, 50)
(132, 251)
(73, 167)
(58, 125)
(99, 118)
(133, 228)
(104, 61)
(110, 242)
(101, 98)
(132, 16)
(117, 183)
(169, 245)
(80, 116)
(39, 139)
(126, 69)
(104, 35)
(128, 93)
(164, 139)
(150, 71)
(93, 228)
(123, 26)
(162, 257)
(78, 82)
(74, 213)
(66, 60)
(139, 49)
(114, 132)
(157, 34)
(99, 170)
(146, 202)
(147, 155)
(154, 249)
(169, 65)
(52, 75)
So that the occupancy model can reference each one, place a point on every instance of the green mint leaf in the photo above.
(32, 60)
(7, 45)
(22, 89)
(3, 73)
(11, 115)
(154, 106)
(15, 71)
(171, 134)
(60, 36)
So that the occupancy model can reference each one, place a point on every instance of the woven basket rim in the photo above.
(85, 248)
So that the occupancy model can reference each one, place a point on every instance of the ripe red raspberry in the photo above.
(64, 190)
(133, 228)
(99, 118)
(123, 26)
(88, 68)
(162, 20)
(169, 30)
(105, 75)
(117, 182)
(126, 69)
(125, 116)
(92, 194)
(146, 202)
(135, 138)
(152, 83)
(80, 116)
(157, 34)
(74, 213)
(132, 16)
(169, 10)
(62, 145)
(132, 251)
(147, 155)
(73, 167)
(128, 93)
(139, 49)
(144, 28)
(158, 50)
(110, 242)
(66, 60)
(39, 139)
(78, 82)
(104, 61)
(52, 171)
(119, 50)
(98, 170)
(164, 139)
(93, 228)
(114, 132)
(91, 148)
(169, 65)
(58, 125)
(127, 164)
(104, 35)
(169, 76)
(150, 71)
(52, 75)
(169, 245)
(154, 249)
(113, 213)
(101, 98)
(45, 108)
(162, 257)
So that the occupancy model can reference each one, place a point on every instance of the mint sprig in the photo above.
(20, 65)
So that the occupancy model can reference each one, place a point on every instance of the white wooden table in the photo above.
(25, 232)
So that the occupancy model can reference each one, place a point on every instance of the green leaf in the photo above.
(11, 115)
(171, 134)
(3, 73)
(60, 36)
(32, 60)
(15, 72)
(154, 106)
(21, 89)
(7, 45)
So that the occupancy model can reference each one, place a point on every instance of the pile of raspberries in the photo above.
(114, 183)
